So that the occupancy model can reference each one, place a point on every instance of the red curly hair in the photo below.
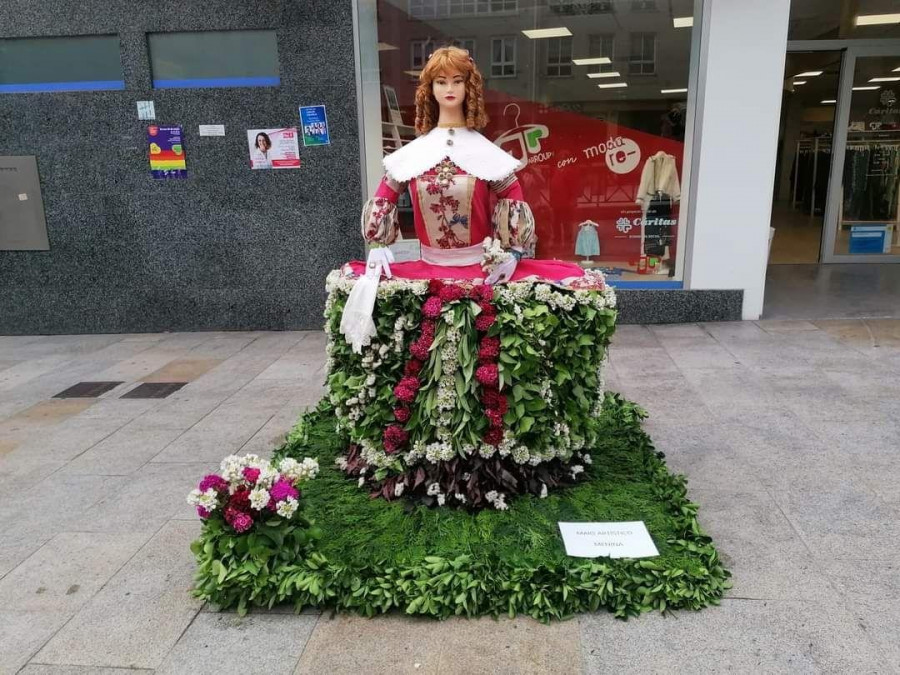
(448, 60)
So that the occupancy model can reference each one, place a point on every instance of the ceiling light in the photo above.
(673, 91)
(829, 101)
(612, 85)
(541, 33)
(896, 70)
(612, 73)
(885, 79)
(683, 21)
(599, 61)
(412, 73)
(866, 88)
(809, 73)
(798, 82)
(877, 19)
(384, 47)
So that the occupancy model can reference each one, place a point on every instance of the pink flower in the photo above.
(490, 397)
(487, 308)
(493, 436)
(494, 418)
(419, 350)
(409, 382)
(240, 500)
(242, 522)
(489, 349)
(213, 481)
(203, 513)
(435, 286)
(251, 474)
(413, 367)
(432, 307)
(483, 322)
(403, 394)
(484, 292)
(402, 415)
(488, 374)
(428, 328)
(282, 489)
(394, 438)
(452, 293)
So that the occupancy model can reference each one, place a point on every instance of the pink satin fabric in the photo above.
(551, 270)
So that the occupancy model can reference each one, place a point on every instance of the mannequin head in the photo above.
(450, 80)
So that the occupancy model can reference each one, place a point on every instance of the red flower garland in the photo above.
(395, 436)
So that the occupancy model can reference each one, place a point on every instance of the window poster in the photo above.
(166, 146)
(274, 148)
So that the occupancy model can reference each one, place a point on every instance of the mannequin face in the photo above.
(449, 90)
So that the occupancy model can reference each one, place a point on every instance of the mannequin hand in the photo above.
(503, 272)
(380, 259)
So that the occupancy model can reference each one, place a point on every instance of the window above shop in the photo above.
(240, 58)
(840, 19)
(57, 64)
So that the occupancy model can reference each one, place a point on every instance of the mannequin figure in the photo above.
(453, 174)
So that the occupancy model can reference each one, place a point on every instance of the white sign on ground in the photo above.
(608, 540)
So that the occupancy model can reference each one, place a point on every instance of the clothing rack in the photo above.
(806, 145)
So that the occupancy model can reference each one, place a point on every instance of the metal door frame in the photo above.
(850, 51)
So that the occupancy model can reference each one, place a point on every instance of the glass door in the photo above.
(863, 219)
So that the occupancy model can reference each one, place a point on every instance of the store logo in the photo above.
(888, 97)
(622, 154)
(527, 140)
(624, 225)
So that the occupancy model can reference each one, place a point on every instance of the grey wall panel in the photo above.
(226, 248)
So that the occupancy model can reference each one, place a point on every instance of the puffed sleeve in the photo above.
(512, 220)
(379, 221)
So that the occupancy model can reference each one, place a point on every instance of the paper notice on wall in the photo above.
(274, 148)
(314, 122)
(146, 110)
(212, 129)
(608, 540)
(166, 146)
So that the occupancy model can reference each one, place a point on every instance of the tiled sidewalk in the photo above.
(788, 432)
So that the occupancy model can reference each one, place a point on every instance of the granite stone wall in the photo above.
(227, 248)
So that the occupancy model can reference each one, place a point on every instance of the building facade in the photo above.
(653, 136)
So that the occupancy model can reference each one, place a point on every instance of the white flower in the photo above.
(209, 500)
(287, 508)
(491, 496)
(305, 470)
(259, 498)
(586, 458)
(543, 491)
(441, 498)
(341, 463)
(461, 498)
(577, 469)
(361, 482)
(434, 489)
(398, 489)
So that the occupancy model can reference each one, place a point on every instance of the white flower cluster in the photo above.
(209, 500)
(600, 394)
(305, 470)
(446, 391)
(497, 500)
(287, 508)
(494, 254)
(399, 336)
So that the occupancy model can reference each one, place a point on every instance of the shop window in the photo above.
(419, 51)
(839, 20)
(503, 57)
(643, 54)
(465, 43)
(240, 58)
(591, 136)
(602, 45)
(49, 64)
(559, 57)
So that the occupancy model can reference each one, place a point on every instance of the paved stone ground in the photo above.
(787, 430)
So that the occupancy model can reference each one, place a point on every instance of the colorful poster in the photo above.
(314, 122)
(166, 152)
(274, 148)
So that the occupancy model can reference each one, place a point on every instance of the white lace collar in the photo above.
(470, 151)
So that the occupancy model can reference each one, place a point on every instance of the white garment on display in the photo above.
(659, 175)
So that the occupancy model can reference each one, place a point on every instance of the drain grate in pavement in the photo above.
(88, 389)
(154, 390)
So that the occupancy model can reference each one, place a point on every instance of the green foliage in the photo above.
(371, 556)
